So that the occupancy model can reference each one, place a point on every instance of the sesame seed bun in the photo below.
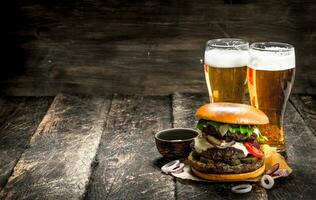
(233, 113)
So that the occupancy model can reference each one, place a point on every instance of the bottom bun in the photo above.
(229, 177)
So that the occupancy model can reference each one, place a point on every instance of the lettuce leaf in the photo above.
(204, 124)
(233, 128)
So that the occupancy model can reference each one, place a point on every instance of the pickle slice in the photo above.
(234, 162)
(249, 160)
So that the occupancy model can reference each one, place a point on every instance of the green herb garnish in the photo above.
(233, 128)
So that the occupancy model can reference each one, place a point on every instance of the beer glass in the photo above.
(225, 68)
(270, 74)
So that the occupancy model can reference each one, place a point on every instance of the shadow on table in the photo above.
(161, 161)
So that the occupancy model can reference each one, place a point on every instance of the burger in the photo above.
(227, 148)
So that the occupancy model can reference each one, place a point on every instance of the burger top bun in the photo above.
(232, 113)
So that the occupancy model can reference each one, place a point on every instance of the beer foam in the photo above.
(271, 59)
(226, 58)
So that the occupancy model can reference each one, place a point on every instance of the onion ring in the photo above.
(273, 169)
(281, 173)
(226, 144)
(242, 188)
(167, 168)
(270, 180)
(178, 170)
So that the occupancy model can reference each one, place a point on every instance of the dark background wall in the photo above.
(138, 46)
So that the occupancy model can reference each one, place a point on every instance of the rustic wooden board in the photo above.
(58, 162)
(19, 118)
(306, 107)
(128, 161)
(145, 47)
(184, 107)
(301, 148)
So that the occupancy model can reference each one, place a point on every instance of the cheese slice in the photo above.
(201, 144)
(240, 146)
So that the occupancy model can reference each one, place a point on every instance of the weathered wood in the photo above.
(19, 118)
(301, 148)
(128, 161)
(306, 107)
(184, 107)
(57, 164)
(145, 47)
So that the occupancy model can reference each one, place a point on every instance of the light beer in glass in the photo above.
(270, 74)
(225, 68)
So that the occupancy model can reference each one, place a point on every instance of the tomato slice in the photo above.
(253, 150)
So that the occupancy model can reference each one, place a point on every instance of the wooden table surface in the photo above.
(84, 147)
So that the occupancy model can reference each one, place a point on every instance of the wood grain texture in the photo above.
(144, 47)
(128, 161)
(300, 148)
(57, 164)
(19, 118)
(306, 107)
(184, 107)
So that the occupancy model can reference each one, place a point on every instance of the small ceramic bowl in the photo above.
(175, 142)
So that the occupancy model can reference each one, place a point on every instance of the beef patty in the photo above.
(216, 167)
(225, 155)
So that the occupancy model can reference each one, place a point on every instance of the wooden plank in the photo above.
(19, 118)
(128, 161)
(137, 47)
(129, 47)
(184, 107)
(306, 107)
(57, 164)
(301, 148)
